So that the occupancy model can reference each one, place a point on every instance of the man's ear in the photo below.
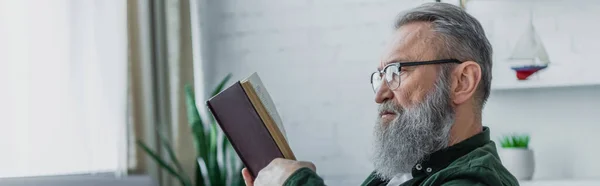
(467, 76)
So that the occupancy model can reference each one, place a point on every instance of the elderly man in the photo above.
(431, 87)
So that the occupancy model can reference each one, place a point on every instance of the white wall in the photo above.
(562, 121)
(563, 124)
(315, 57)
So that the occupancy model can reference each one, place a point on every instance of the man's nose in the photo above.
(384, 93)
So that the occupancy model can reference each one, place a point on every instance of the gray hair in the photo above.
(458, 36)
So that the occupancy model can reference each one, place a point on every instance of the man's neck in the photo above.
(464, 128)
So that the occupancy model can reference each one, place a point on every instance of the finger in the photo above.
(278, 161)
(247, 177)
(310, 165)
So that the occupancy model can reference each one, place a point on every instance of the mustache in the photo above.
(389, 106)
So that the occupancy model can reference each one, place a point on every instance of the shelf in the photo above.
(557, 75)
(541, 84)
(560, 183)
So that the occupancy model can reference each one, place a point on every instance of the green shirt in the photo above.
(473, 161)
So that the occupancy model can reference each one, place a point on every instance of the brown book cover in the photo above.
(247, 116)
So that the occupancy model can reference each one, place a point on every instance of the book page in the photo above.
(266, 100)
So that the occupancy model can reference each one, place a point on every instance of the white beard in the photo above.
(415, 132)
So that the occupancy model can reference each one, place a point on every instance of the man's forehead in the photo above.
(408, 43)
(394, 59)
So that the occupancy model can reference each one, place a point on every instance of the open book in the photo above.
(247, 116)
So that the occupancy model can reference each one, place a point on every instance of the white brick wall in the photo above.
(315, 57)
(567, 29)
(562, 121)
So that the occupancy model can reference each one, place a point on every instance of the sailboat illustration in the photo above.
(529, 55)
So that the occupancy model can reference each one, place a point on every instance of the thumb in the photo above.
(247, 177)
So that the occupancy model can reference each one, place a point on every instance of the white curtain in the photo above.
(161, 64)
(63, 80)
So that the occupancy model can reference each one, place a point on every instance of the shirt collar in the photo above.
(440, 159)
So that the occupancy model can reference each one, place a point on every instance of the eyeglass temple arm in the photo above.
(431, 62)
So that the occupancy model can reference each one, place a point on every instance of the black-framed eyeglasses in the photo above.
(391, 72)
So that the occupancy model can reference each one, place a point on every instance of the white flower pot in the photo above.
(518, 161)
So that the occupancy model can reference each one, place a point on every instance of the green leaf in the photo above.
(172, 156)
(206, 171)
(196, 123)
(237, 178)
(224, 167)
(213, 166)
(162, 163)
(199, 176)
(221, 84)
(504, 142)
(515, 141)
(214, 171)
(230, 159)
(207, 141)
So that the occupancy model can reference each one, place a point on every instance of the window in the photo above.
(63, 67)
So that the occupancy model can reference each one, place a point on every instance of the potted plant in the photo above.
(516, 156)
(217, 162)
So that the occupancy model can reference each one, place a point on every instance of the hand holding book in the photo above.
(276, 173)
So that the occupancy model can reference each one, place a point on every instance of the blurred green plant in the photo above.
(515, 141)
(217, 162)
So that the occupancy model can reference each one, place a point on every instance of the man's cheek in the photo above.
(403, 97)
(418, 93)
